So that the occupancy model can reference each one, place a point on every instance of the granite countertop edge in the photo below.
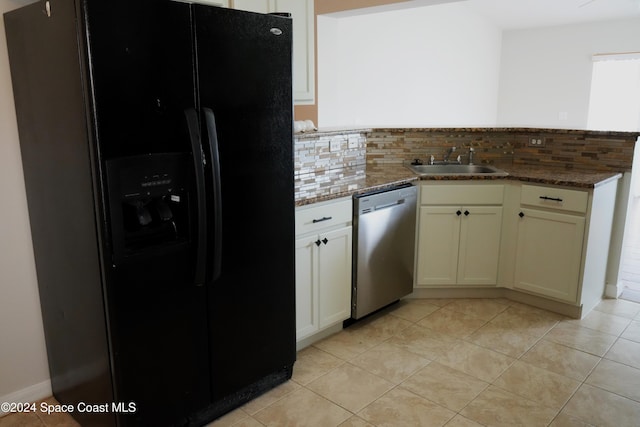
(378, 177)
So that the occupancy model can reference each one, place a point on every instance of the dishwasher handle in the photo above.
(389, 205)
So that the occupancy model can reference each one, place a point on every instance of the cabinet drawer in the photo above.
(462, 194)
(318, 216)
(554, 198)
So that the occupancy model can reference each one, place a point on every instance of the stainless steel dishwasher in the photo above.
(383, 250)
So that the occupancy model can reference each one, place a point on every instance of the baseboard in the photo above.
(613, 291)
(33, 393)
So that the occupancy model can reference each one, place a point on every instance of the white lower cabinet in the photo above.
(549, 253)
(323, 266)
(459, 244)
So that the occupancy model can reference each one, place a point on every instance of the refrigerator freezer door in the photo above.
(141, 63)
(244, 78)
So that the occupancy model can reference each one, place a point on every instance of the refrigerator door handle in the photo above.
(201, 197)
(214, 160)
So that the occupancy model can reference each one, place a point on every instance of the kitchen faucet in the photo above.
(448, 153)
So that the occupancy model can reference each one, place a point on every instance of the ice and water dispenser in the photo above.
(149, 206)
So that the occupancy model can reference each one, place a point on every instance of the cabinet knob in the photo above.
(318, 242)
(521, 214)
(466, 213)
(325, 241)
(458, 212)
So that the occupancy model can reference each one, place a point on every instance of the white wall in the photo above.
(426, 66)
(24, 372)
(547, 71)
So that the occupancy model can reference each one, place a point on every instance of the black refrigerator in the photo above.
(157, 148)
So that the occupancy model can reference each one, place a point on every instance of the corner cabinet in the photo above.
(558, 240)
(303, 14)
(459, 234)
(323, 266)
(549, 244)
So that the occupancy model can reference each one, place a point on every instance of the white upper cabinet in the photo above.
(302, 12)
(220, 3)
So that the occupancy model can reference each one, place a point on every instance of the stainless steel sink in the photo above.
(456, 169)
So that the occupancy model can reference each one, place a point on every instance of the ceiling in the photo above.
(518, 14)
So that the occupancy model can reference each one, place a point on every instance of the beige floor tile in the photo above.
(446, 386)
(603, 322)
(533, 322)
(233, 418)
(381, 328)
(561, 359)
(28, 419)
(440, 302)
(497, 407)
(413, 309)
(619, 307)
(460, 421)
(537, 384)
(485, 309)
(584, 339)
(424, 342)
(303, 408)
(626, 352)
(564, 420)
(452, 323)
(390, 362)
(477, 361)
(356, 421)
(312, 363)
(529, 309)
(616, 378)
(504, 340)
(347, 343)
(602, 408)
(244, 422)
(632, 332)
(351, 387)
(400, 407)
(270, 397)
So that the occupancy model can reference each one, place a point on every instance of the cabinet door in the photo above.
(303, 15)
(334, 285)
(219, 3)
(306, 287)
(259, 6)
(549, 253)
(438, 238)
(302, 12)
(479, 245)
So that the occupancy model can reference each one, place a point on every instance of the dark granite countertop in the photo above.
(313, 188)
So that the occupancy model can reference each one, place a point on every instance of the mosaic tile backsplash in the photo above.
(563, 149)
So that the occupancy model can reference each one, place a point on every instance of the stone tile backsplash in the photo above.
(322, 152)
(326, 155)
(563, 149)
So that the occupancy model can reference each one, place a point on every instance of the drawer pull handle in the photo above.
(555, 199)
(325, 218)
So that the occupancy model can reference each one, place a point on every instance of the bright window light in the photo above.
(615, 93)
